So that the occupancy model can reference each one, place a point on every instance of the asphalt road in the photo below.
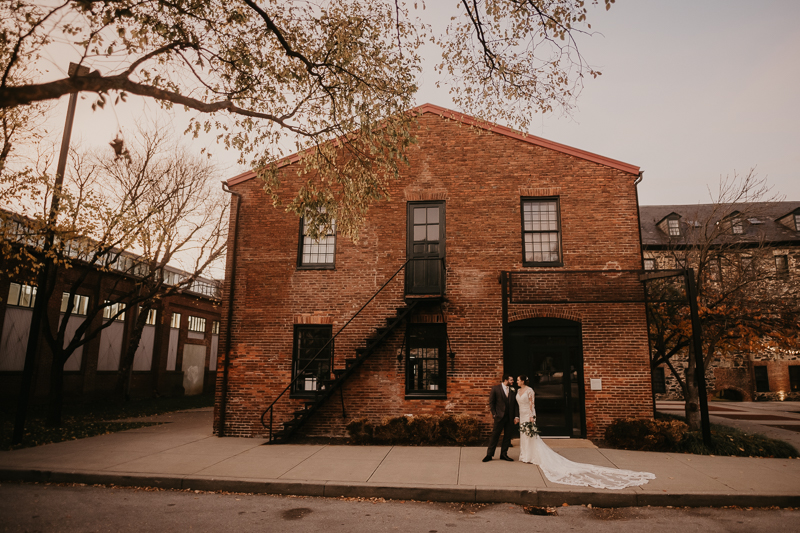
(36, 507)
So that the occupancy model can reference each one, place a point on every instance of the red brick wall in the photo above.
(481, 176)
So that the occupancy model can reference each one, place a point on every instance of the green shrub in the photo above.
(391, 431)
(671, 434)
(461, 429)
(645, 435)
(360, 431)
(422, 430)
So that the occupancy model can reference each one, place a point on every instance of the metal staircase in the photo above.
(338, 376)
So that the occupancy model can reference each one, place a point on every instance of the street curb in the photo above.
(441, 493)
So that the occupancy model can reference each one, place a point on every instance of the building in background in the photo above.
(761, 237)
(177, 353)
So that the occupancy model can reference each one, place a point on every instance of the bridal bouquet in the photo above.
(529, 429)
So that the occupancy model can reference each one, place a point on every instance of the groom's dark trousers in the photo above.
(504, 410)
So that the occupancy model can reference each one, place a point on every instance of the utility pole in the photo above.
(46, 277)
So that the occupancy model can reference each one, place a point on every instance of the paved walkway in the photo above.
(182, 453)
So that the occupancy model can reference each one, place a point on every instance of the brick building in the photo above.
(764, 236)
(521, 255)
(176, 354)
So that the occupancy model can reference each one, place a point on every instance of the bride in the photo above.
(558, 469)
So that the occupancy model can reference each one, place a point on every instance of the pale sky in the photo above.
(691, 90)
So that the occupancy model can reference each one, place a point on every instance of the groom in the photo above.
(505, 411)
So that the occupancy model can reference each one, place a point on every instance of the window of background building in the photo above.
(762, 379)
(21, 295)
(674, 226)
(80, 304)
(782, 266)
(736, 226)
(215, 327)
(649, 264)
(308, 341)
(541, 232)
(797, 221)
(151, 317)
(659, 380)
(319, 253)
(111, 310)
(197, 324)
(175, 321)
(794, 378)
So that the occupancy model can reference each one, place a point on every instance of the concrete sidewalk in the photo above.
(182, 453)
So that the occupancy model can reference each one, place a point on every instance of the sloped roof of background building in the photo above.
(767, 213)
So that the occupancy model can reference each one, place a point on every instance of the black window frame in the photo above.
(544, 199)
(794, 378)
(301, 241)
(761, 378)
(325, 362)
(426, 336)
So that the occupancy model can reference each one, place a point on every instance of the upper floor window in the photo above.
(649, 264)
(197, 324)
(114, 310)
(151, 317)
(797, 221)
(21, 295)
(80, 304)
(215, 327)
(317, 253)
(737, 227)
(541, 232)
(782, 266)
(674, 226)
(175, 321)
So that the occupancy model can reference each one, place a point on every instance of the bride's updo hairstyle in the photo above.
(524, 379)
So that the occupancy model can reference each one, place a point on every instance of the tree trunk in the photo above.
(56, 396)
(126, 364)
(692, 395)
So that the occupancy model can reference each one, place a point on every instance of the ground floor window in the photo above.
(794, 378)
(762, 380)
(659, 380)
(426, 360)
(308, 364)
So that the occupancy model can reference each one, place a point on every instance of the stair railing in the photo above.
(270, 409)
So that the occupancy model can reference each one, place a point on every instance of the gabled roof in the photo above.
(487, 126)
(761, 222)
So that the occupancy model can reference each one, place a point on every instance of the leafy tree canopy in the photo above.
(269, 75)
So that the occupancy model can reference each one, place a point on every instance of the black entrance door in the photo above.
(426, 239)
(549, 352)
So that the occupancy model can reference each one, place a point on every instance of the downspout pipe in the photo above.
(223, 403)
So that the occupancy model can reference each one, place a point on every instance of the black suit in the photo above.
(504, 410)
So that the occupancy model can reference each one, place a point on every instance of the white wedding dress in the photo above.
(561, 470)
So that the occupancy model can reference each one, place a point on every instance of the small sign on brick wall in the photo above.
(596, 384)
